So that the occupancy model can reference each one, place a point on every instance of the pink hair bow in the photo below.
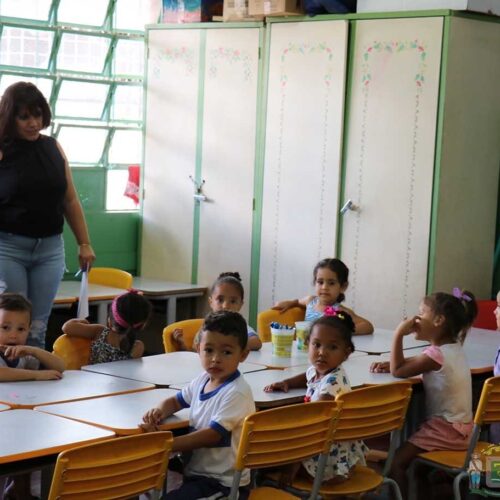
(333, 311)
(460, 295)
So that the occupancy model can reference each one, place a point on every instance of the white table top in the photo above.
(153, 286)
(74, 385)
(162, 370)
(29, 434)
(381, 341)
(120, 414)
(96, 292)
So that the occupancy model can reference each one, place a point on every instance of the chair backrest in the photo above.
(189, 327)
(285, 435)
(485, 315)
(75, 351)
(372, 411)
(265, 318)
(117, 468)
(109, 276)
(488, 409)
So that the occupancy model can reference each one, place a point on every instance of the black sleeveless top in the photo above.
(32, 188)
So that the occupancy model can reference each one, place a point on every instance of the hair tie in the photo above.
(334, 311)
(135, 291)
(116, 314)
(460, 295)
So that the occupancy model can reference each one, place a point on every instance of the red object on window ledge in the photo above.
(134, 180)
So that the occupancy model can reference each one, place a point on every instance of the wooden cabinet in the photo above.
(399, 115)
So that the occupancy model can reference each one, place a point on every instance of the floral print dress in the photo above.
(101, 351)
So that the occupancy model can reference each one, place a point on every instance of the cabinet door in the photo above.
(228, 153)
(170, 153)
(305, 95)
(389, 165)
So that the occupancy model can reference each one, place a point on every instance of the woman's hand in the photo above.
(86, 256)
(380, 367)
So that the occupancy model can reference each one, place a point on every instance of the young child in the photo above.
(443, 320)
(330, 344)
(128, 315)
(226, 294)
(331, 279)
(219, 399)
(19, 361)
(495, 428)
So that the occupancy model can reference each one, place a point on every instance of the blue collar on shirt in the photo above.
(207, 395)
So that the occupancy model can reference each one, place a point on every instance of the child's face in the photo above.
(327, 349)
(14, 327)
(220, 355)
(428, 324)
(225, 297)
(497, 311)
(327, 286)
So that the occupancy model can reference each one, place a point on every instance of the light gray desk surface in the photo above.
(119, 414)
(162, 370)
(381, 341)
(169, 291)
(29, 434)
(74, 385)
(4, 407)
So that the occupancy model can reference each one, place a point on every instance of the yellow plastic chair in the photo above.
(265, 318)
(75, 351)
(457, 462)
(117, 468)
(283, 436)
(367, 413)
(189, 327)
(109, 276)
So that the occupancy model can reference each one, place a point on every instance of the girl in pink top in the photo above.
(443, 320)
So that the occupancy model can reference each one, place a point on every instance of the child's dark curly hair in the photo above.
(227, 323)
(341, 322)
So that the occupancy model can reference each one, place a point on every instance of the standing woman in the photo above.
(36, 195)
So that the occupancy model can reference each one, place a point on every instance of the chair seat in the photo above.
(267, 493)
(454, 459)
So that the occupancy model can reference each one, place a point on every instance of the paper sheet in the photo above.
(83, 301)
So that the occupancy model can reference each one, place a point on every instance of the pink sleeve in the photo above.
(434, 352)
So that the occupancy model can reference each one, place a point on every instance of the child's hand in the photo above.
(178, 339)
(380, 367)
(17, 351)
(284, 305)
(277, 386)
(408, 326)
(153, 417)
(48, 375)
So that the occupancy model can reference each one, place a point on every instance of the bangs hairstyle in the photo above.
(458, 314)
(18, 98)
(227, 323)
(15, 302)
(233, 279)
(336, 266)
(344, 325)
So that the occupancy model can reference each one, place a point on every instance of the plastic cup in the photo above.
(282, 342)
(302, 330)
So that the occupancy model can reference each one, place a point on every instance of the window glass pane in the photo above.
(90, 12)
(135, 14)
(25, 47)
(127, 104)
(43, 84)
(81, 99)
(82, 145)
(129, 58)
(82, 53)
(115, 191)
(126, 147)
(29, 9)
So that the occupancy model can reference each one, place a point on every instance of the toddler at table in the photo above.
(19, 361)
(219, 400)
(329, 344)
(443, 320)
(330, 279)
(226, 294)
(128, 315)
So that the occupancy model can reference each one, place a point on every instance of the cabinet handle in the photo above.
(348, 205)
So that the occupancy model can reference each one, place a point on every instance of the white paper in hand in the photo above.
(83, 301)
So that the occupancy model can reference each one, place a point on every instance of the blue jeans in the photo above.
(34, 268)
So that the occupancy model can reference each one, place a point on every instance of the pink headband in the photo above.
(116, 314)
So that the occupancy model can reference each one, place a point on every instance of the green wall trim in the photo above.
(345, 131)
(437, 155)
(199, 155)
(260, 145)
